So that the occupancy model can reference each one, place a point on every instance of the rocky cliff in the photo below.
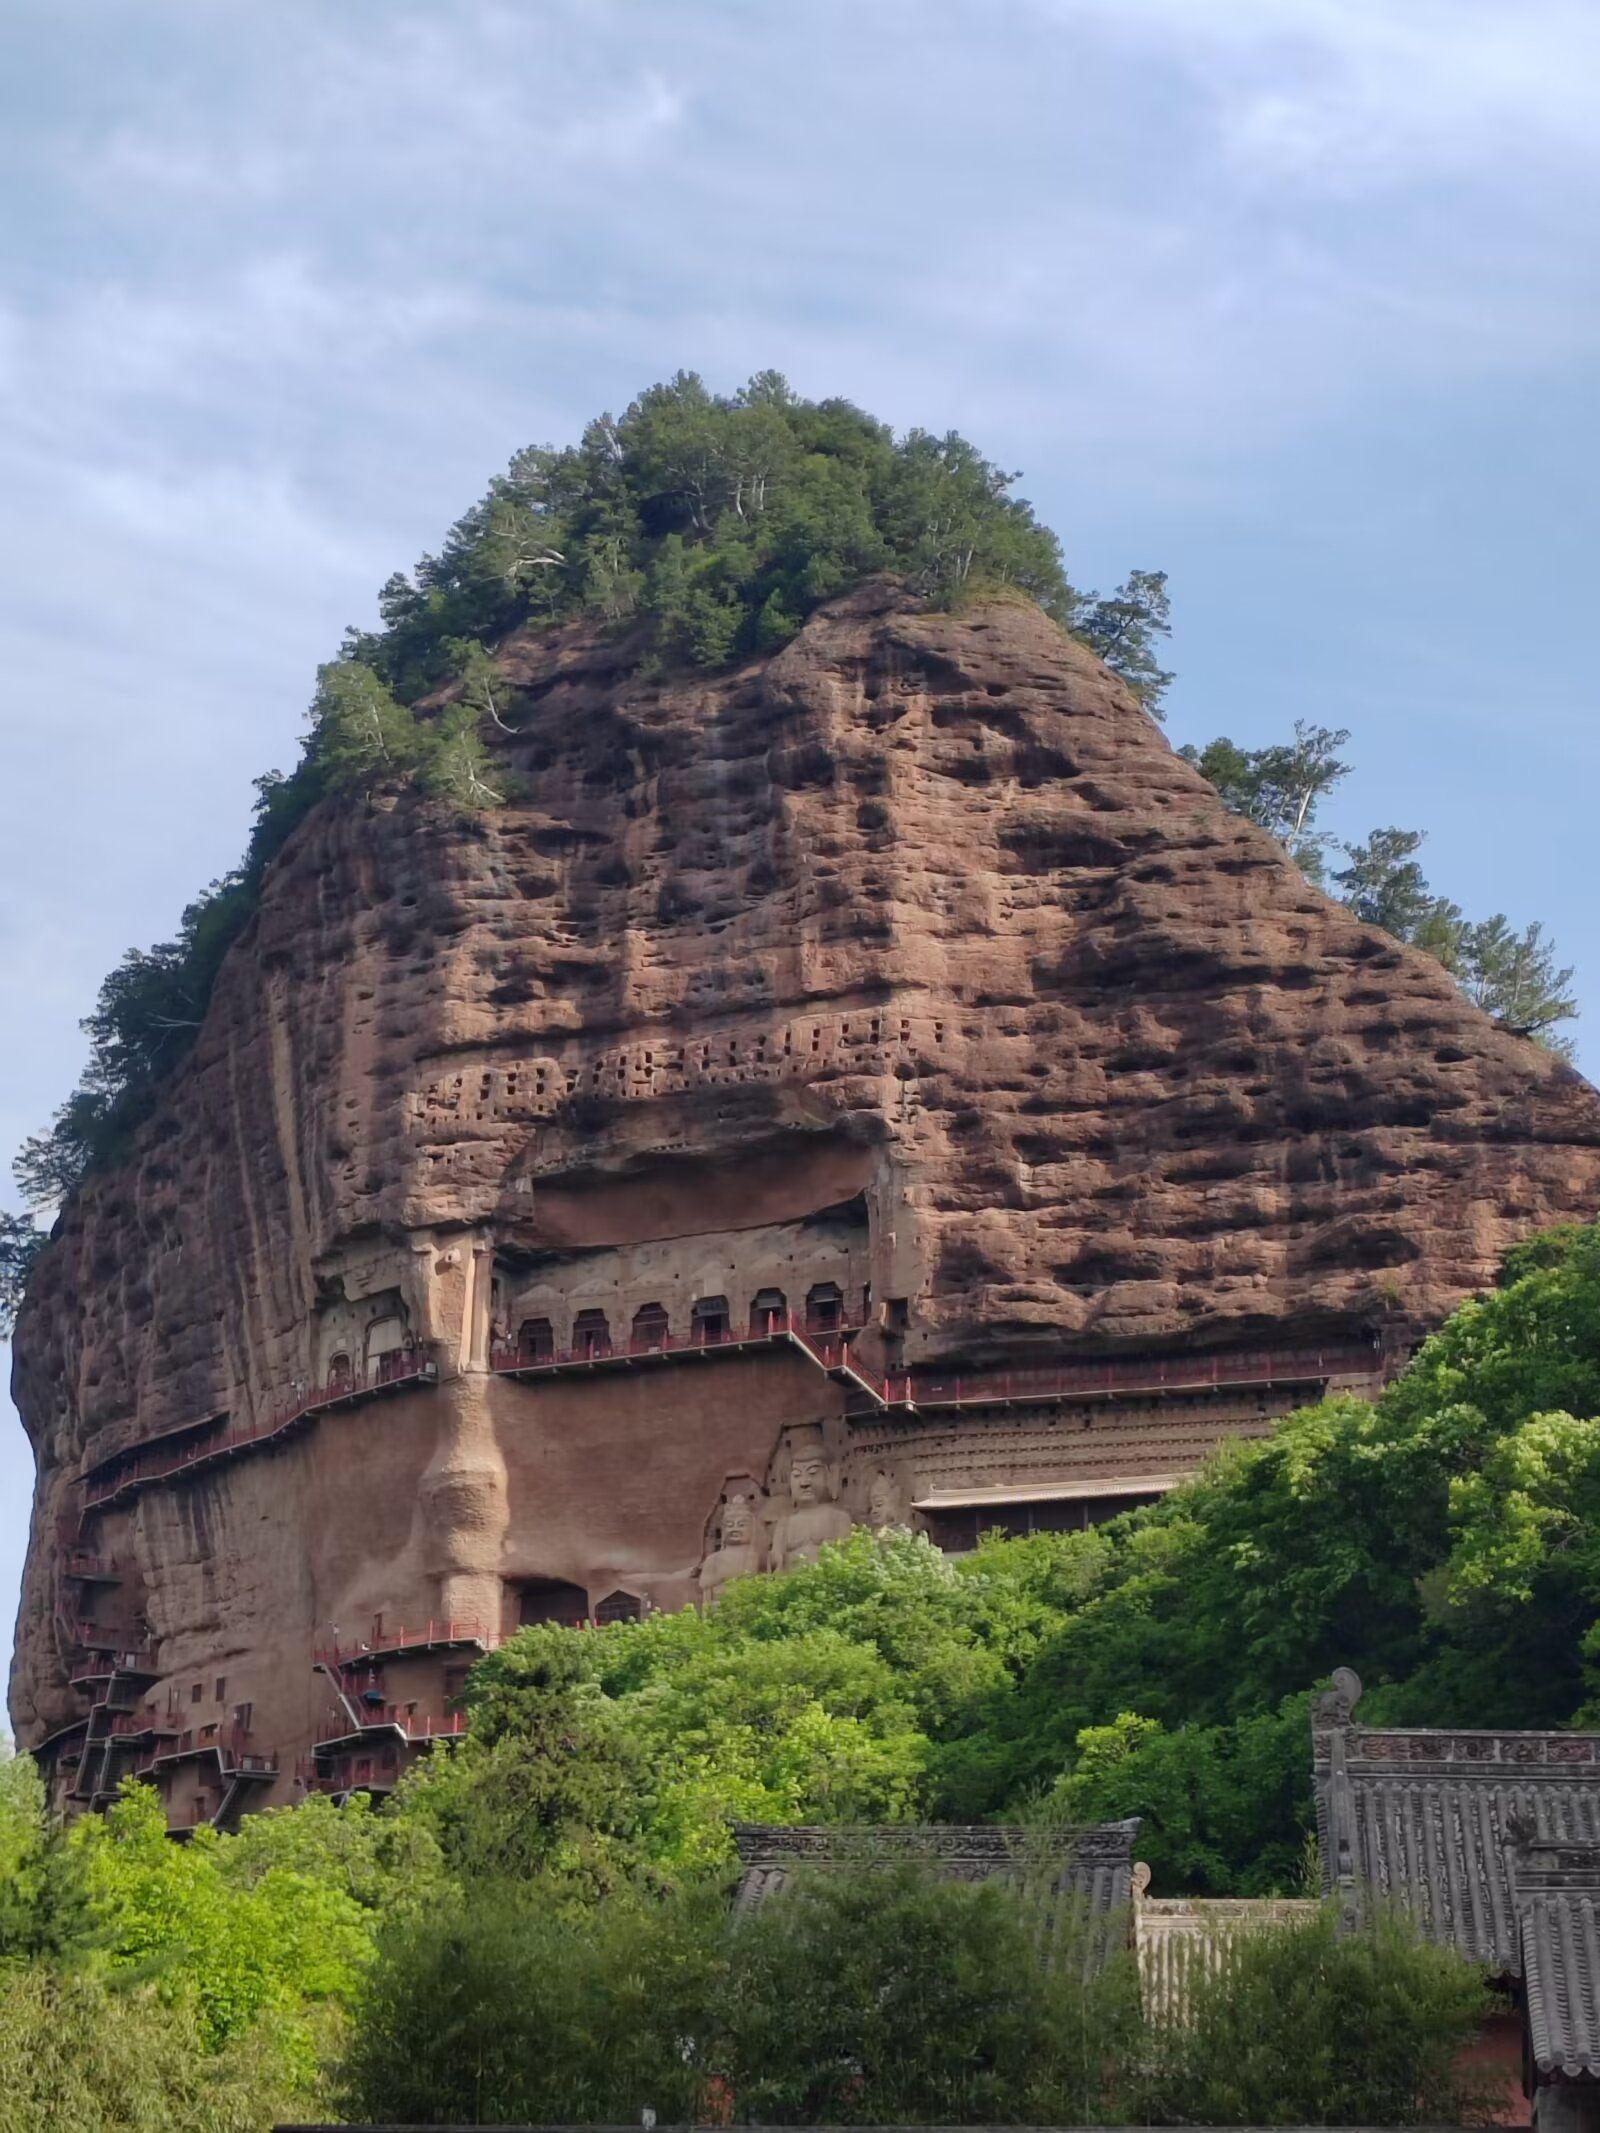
(909, 973)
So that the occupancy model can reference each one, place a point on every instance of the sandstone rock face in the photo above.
(906, 984)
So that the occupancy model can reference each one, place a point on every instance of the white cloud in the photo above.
(1346, 95)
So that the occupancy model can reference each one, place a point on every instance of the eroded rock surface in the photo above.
(908, 973)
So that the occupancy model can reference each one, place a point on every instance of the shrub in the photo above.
(891, 1997)
(81, 2057)
(505, 2005)
(1303, 2026)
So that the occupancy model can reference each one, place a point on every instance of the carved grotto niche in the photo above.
(806, 1511)
(735, 1536)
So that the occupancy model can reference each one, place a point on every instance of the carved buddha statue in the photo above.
(814, 1515)
(735, 1538)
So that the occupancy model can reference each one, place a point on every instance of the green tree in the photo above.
(1512, 976)
(550, 1784)
(1123, 628)
(1224, 1810)
(46, 1909)
(361, 735)
(83, 2056)
(281, 1944)
(1280, 788)
(453, 763)
(1302, 2025)
(1515, 977)
(1384, 884)
(20, 1243)
(504, 2005)
(890, 1997)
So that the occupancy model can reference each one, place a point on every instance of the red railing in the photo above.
(229, 1744)
(831, 1350)
(346, 1775)
(386, 1643)
(1132, 1375)
(392, 1717)
(106, 1669)
(402, 1366)
(131, 1725)
(96, 1569)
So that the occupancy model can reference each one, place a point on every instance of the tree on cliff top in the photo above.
(716, 522)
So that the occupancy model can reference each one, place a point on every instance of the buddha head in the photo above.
(808, 1469)
(738, 1519)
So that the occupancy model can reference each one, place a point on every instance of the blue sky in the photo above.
(1295, 299)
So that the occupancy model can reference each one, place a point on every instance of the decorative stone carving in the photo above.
(1336, 1703)
(733, 1537)
(810, 1513)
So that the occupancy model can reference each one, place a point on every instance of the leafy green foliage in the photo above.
(550, 1784)
(1513, 976)
(888, 1997)
(1384, 885)
(503, 2005)
(20, 1240)
(1280, 788)
(46, 1911)
(1510, 975)
(1303, 2026)
(1122, 629)
(83, 2056)
(1223, 1809)
(717, 523)
(234, 1950)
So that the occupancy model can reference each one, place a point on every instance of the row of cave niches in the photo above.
(712, 1323)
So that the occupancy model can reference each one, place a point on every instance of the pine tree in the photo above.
(362, 736)
(20, 1241)
(1122, 630)
(1384, 884)
(453, 763)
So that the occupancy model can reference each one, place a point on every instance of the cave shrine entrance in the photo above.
(824, 1307)
(769, 1311)
(591, 1334)
(709, 1320)
(551, 1600)
(649, 1329)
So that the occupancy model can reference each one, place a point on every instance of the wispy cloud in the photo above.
(1341, 95)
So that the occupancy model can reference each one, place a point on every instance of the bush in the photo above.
(1305, 2027)
(503, 2005)
(888, 1997)
(80, 2057)
(891, 1996)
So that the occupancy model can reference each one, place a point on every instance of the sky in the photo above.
(1297, 300)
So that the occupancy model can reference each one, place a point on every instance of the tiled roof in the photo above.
(1425, 1816)
(1182, 1939)
(1556, 1889)
(1090, 1866)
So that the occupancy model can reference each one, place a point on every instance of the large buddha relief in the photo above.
(803, 1495)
